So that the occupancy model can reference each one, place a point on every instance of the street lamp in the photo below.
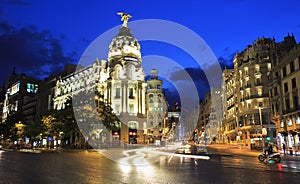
(260, 118)
(237, 127)
(263, 130)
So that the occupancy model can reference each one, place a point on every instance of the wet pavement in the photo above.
(226, 164)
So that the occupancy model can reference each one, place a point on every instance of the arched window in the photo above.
(133, 125)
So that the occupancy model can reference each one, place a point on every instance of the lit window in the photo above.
(32, 88)
(269, 67)
(133, 125)
(131, 108)
(257, 68)
(298, 121)
(281, 124)
(290, 122)
(259, 92)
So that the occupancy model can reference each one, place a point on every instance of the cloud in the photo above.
(33, 52)
(198, 76)
(15, 2)
(226, 62)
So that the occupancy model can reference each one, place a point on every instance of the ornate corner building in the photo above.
(140, 105)
(261, 93)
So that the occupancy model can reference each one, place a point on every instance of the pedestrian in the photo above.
(283, 147)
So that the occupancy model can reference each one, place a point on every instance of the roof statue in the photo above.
(125, 17)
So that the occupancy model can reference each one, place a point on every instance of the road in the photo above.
(140, 166)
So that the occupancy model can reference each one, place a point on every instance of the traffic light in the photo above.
(240, 123)
(268, 138)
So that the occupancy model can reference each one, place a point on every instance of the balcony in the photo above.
(257, 75)
(258, 83)
(255, 96)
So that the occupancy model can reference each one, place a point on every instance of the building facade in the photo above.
(284, 93)
(229, 100)
(20, 98)
(120, 81)
(260, 93)
(156, 104)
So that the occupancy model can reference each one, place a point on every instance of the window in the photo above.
(131, 108)
(133, 125)
(269, 67)
(151, 98)
(117, 108)
(32, 88)
(258, 82)
(246, 70)
(131, 93)
(292, 66)
(281, 124)
(295, 101)
(284, 72)
(298, 121)
(287, 103)
(285, 86)
(257, 68)
(275, 91)
(290, 123)
(117, 93)
(294, 85)
(259, 92)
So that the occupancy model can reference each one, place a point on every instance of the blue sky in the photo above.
(39, 37)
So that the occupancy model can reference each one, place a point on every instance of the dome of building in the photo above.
(153, 74)
(124, 44)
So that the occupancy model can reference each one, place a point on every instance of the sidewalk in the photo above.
(246, 151)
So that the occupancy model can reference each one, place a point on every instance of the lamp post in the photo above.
(236, 127)
(261, 126)
(260, 118)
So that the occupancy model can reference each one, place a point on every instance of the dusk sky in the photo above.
(39, 37)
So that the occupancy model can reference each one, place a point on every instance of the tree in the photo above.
(33, 130)
(9, 128)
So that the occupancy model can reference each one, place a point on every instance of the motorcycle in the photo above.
(274, 156)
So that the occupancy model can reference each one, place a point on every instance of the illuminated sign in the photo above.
(14, 89)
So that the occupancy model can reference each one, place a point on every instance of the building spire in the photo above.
(125, 17)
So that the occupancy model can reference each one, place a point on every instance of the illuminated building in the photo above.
(229, 99)
(253, 91)
(156, 108)
(120, 80)
(284, 92)
(20, 97)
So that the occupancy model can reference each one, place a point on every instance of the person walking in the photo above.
(283, 147)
